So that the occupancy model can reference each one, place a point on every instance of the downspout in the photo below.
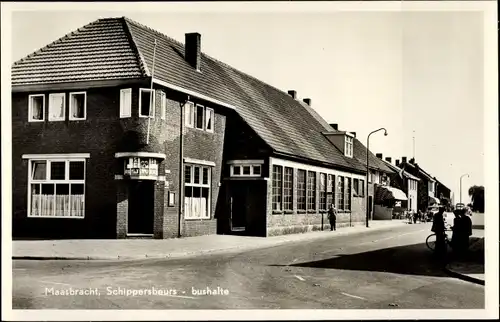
(181, 169)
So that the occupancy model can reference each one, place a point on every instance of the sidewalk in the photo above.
(472, 267)
(127, 249)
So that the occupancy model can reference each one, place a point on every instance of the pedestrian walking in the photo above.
(439, 229)
(332, 217)
(467, 227)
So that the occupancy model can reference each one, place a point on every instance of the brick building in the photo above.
(120, 131)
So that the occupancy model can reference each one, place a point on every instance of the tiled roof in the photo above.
(419, 169)
(374, 162)
(117, 48)
(100, 50)
(405, 173)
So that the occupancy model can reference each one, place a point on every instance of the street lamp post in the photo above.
(368, 172)
(463, 175)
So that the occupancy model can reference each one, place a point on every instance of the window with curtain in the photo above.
(322, 191)
(197, 191)
(301, 190)
(57, 188)
(311, 191)
(340, 193)
(277, 193)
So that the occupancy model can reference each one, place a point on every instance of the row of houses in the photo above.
(119, 131)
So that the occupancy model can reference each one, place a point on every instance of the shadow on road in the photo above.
(414, 259)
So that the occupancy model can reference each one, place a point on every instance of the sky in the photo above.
(418, 74)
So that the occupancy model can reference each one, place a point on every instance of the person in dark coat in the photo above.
(467, 227)
(458, 232)
(438, 228)
(332, 217)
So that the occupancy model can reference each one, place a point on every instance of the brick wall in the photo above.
(279, 223)
(102, 134)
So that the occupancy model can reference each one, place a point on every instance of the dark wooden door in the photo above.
(141, 207)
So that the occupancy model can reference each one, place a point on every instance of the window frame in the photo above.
(191, 114)
(63, 118)
(277, 188)
(311, 175)
(340, 192)
(347, 194)
(348, 146)
(299, 190)
(252, 172)
(123, 114)
(48, 180)
(322, 191)
(330, 190)
(201, 185)
(153, 112)
(362, 187)
(209, 110)
(288, 191)
(163, 105)
(30, 108)
(71, 118)
(196, 117)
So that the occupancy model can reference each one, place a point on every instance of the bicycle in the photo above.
(431, 239)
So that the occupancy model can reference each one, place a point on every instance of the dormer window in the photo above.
(348, 146)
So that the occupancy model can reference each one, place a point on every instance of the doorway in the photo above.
(141, 207)
(239, 205)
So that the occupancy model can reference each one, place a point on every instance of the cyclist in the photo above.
(438, 227)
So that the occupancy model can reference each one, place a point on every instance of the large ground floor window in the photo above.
(56, 188)
(197, 192)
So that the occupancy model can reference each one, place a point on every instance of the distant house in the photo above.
(120, 131)
(407, 182)
(426, 185)
(443, 193)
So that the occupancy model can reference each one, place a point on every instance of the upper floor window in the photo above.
(36, 108)
(126, 102)
(163, 105)
(78, 106)
(146, 102)
(199, 117)
(57, 107)
(209, 119)
(348, 146)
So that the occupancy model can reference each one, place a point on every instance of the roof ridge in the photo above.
(142, 62)
(66, 36)
(202, 53)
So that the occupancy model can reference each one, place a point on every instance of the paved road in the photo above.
(374, 270)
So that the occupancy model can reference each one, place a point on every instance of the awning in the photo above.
(433, 200)
(389, 193)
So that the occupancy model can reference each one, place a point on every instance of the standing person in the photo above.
(457, 239)
(467, 227)
(332, 217)
(439, 229)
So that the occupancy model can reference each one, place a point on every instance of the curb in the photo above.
(197, 252)
(464, 277)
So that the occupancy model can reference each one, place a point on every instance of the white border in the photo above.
(490, 142)
(30, 110)
(71, 118)
(64, 108)
(125, 91)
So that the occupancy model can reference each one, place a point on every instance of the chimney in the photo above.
(379, 155)
(388, 159)
(307, 101)
(412, 160)
(293, 94)
(354, 133)
(403, 159)
(335, 126)
(397, 162)
(192, 52)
